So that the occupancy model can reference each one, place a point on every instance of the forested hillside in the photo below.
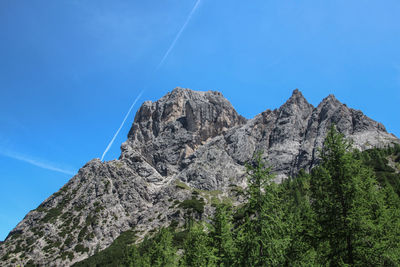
(346, 212)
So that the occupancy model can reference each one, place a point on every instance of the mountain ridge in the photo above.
(188, 140)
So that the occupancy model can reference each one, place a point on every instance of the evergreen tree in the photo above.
(135, 258)
(156, 251)
(198, 251)
(391, 228)
(222, 237)
(300, 219)
(162, 252)
(348, 206)
(262, 237)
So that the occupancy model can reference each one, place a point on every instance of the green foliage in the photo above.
(349, 207)
(193, 204)
(52, 215)
(179, 238)
(263, 235)
(68, 241)
(378, 159)
(37, 232)
(67, 254)
(222, 236)
(82, 233)
(98, 207)
(198, 249)
(81, 249)
(5, 257)
(157, 251)
(91, 220)
(30, 263)
(114, 255)
(300, 219)
(181, 185)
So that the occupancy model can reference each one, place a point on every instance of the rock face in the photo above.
(185, 142)
(166, 132)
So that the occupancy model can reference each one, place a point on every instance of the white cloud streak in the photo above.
(196, 5)
(178, 35)
(36, 162)
(120, 127)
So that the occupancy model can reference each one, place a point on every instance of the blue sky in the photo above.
(70, 70)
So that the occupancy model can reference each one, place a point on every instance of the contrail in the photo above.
(122, 124)
(36, 162)
(178, 35)
(155, 70)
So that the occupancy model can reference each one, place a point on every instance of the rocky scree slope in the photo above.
(188, 145)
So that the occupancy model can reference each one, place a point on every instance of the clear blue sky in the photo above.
(69, 71)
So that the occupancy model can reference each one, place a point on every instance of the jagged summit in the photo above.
(167, 131)
(330, 98)
(296, 104)
(298, 99)
(188, 107)
(184, 141)
(297, 94)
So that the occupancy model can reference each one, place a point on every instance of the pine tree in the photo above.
(155, 251)
(390, 234)
(136, 257)
(262, 237)
(300, 219)
(348, 205)
(162, 252)
(222, 237)
(198, 251)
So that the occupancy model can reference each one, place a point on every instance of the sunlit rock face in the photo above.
(169, 130)
(186, 141)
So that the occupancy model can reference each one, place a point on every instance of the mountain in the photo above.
(186, 143)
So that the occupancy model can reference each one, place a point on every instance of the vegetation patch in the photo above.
(66, 216)
(67, 254)
(30, 263)
(82, 234)
(193, 204)
(37, 232)
(181, 185)
(48, 248)
(98, 207)
(378, 160)
(78, 207)
(29, 241)
(18, 247)
(237, 190)
(52, 215)
(5, 257)
(68, 241)
(81, 249)
(114, 255)
(14, 234)
(91, 220)
(41, 208)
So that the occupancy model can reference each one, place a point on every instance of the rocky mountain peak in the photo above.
(297, 95)
(186, 142)
(347, 120)
(330, 102)
(170, 129)
(194, 110)
(296, 105)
